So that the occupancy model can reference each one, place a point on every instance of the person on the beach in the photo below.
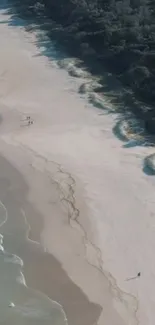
(134, 277)
(30, 122)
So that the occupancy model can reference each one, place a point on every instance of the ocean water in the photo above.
(19, 304)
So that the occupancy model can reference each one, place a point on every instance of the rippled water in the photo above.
(18, 303)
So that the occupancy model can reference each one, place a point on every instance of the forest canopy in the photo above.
(118, 33)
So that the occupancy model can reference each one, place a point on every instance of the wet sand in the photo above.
(42, 271)
(71, 272)
(29, 192)
(88, 201)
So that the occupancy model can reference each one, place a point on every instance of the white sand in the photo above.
(119, 197)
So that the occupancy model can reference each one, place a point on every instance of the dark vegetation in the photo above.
(118, 34)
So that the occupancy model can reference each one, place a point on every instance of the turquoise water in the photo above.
(19, 304)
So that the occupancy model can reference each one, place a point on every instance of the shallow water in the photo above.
(18, 303)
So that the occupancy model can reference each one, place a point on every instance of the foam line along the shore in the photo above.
(113, 195)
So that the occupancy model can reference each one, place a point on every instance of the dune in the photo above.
(99, 224)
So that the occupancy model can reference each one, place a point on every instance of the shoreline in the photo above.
(75, 297)
(112, 193)
(42, 271)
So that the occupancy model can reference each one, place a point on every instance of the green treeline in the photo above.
(118, 33)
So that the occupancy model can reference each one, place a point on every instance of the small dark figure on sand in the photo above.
(30, 122)
(134, 277)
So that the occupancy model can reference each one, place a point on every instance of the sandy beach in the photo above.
(84, 198)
